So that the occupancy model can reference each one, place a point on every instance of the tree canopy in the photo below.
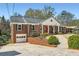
(44, 13)
(3, 20)
(65, 17)
(4, 24)
(74, 22)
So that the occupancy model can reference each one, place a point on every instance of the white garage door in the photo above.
(21, 37)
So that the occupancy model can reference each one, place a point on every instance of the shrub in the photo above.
(73, 42)
(6, 33)
(3, 40)
(53, 40)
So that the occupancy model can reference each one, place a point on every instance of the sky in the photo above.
(22, 7)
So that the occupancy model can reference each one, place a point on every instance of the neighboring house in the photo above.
(21, 27)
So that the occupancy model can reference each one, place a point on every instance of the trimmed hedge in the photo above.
(52, 40)
(73, 42)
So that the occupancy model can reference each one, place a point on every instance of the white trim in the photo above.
(34, 23)
(20, 34)
(17, 23)
(25, 23)
(48, 23)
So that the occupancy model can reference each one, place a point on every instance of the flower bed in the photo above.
(38, 41)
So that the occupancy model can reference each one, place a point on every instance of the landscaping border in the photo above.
(38, 41)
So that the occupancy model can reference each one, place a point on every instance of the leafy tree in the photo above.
(44, 13)
(3, 23)
(74, 22)
(3, 19)
(29, 13)
(8, 24)
(65, 17)
(48, 11)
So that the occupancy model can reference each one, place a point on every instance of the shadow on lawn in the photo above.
(9, 53)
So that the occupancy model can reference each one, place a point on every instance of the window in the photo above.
(19, 27)
(20, 37)
(32, 27)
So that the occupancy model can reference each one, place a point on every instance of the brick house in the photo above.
(21, 27)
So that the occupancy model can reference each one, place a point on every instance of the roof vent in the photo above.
(51, 20)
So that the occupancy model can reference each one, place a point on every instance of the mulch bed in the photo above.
(38, 41)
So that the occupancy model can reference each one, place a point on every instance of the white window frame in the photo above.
(18, 27)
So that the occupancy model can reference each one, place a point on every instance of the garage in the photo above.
(21, 38)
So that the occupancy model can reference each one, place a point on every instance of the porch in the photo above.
(41, 29)
(50, 29)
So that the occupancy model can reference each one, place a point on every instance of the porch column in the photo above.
(42, 29)
(58, 29)
(48, 29)
(11, 25)
(54, 29)
(28, 29)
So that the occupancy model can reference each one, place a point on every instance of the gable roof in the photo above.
(34, 20)
(17, 19)
(51, 21)
(21, 19)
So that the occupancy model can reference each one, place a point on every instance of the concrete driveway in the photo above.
(26, 49)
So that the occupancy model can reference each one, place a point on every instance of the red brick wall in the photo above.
(24, 31)
(39, 41)
(37, 28)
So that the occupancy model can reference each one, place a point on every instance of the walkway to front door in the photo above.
(63, 41)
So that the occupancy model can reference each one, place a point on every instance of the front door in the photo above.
(50, 29)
